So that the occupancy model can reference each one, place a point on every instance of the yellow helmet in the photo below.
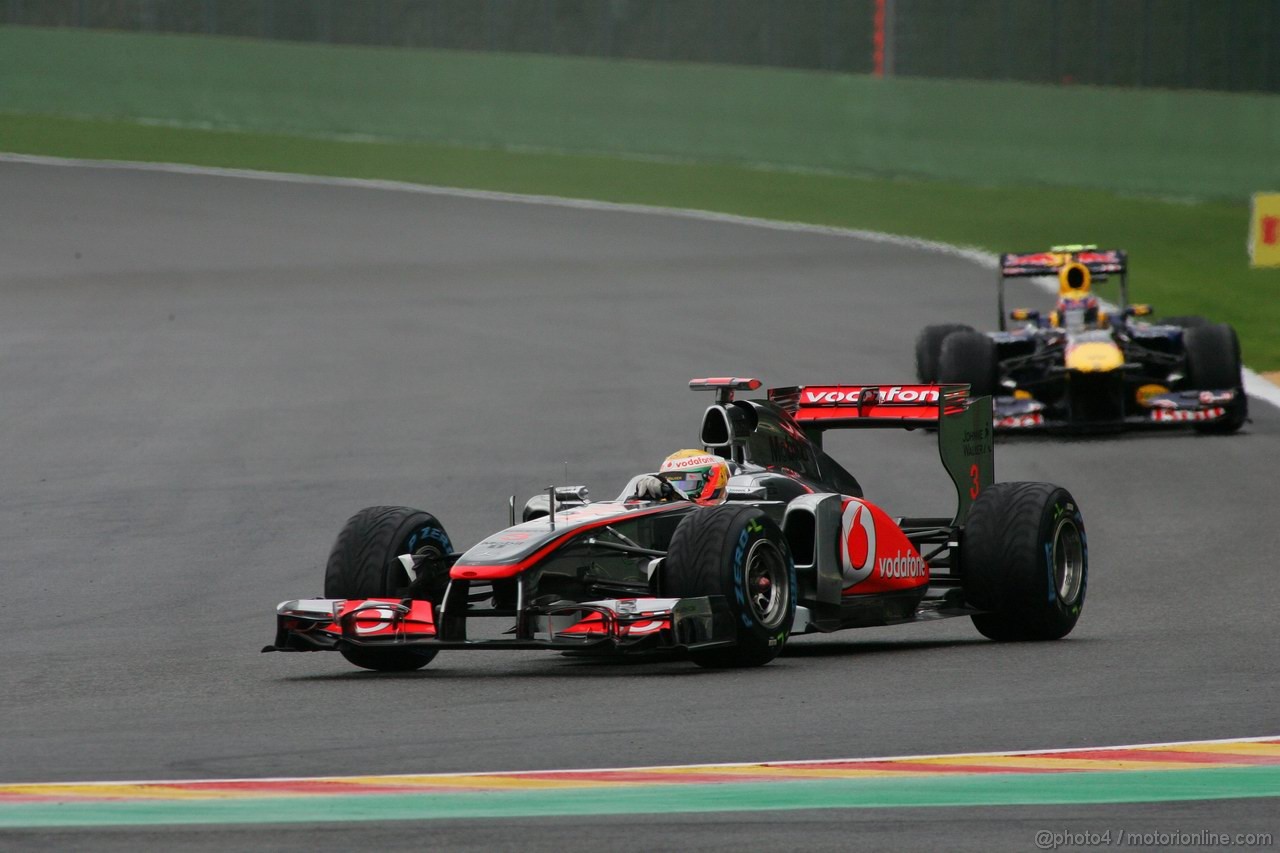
(703, 476)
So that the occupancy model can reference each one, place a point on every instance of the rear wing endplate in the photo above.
(965, 434)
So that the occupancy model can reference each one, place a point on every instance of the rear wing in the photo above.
(822, 407)
(966, 442)
(1099, 262)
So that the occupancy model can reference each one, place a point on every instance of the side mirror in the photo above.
(1025, 314)
(1141, 310)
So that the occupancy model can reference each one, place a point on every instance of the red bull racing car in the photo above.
(793, 546)
(1079, 367)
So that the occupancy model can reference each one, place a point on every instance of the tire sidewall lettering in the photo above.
(1071, 512)
(429, 533)
(752, 532)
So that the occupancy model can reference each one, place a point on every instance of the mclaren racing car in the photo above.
(794, 548)
(1084, 367)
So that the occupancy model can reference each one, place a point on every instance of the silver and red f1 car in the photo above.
(1078, 368)
(796, 548)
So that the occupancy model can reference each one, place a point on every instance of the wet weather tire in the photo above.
(929, 346)
(1213, 364)
(739, 553)
(969, 357)
(364, 563)
(1026, 561)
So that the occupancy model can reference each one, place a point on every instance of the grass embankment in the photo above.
(76, 94)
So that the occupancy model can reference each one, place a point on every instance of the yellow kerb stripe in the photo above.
(475, 782)
(777, 772)
(1265, 748)
(1048, 763)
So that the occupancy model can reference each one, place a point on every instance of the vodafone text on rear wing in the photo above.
(965, 435)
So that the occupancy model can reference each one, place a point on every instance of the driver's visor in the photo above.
(689, 482)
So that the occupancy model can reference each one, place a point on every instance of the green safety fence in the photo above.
(1230, 45)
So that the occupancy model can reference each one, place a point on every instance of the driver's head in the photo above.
(703, 476)
(1082, 313)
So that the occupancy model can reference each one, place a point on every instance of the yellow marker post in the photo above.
(1264, 230)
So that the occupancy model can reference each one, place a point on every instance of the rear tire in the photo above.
(970, 357)
(1213, 363)
(739, 553)
(1025, 560)
(364, 563)
(929, 346)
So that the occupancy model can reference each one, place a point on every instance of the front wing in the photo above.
(1174, 408)
(618, 625)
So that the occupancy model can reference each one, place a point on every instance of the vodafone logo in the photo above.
(904, 566)
(689, 462)
(374, 620)
(861, 555)
(858, 554)
(919, 394)
(876, 394)
(819, 398)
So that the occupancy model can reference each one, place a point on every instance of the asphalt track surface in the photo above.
(202, 377)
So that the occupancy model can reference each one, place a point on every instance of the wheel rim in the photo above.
(768, 585)
(423, 555)
(1068, 561)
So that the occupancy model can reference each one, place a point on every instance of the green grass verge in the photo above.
(1187, 258)
(979, 133)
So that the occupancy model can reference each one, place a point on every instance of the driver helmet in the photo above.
(703, 476)
(1077, 306)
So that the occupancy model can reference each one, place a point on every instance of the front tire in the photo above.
(739, 553)
(1213, 363)
(364, 563)
(970, 357)
(929, 346)
(1025, 560)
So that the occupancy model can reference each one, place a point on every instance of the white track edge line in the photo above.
(975, 255)
(717, 766)
(1254, 384)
